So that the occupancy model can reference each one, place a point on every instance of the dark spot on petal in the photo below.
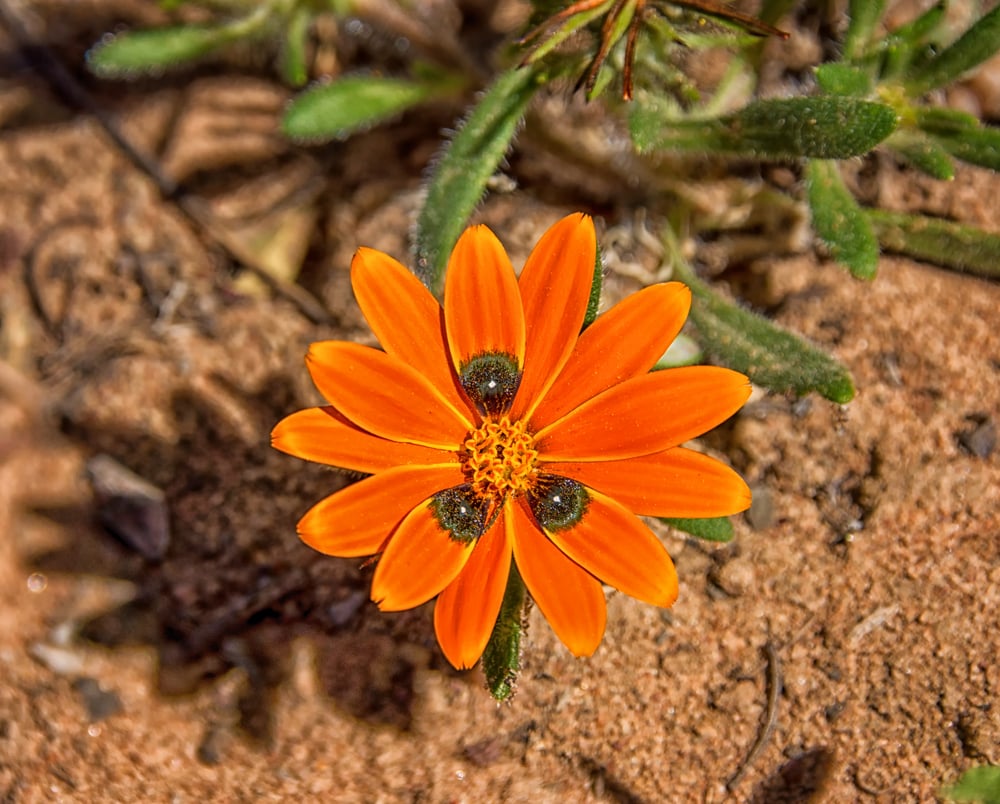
(490, 381)
(559, 502)
(460, 512)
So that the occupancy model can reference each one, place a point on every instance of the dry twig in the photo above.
(771, 717)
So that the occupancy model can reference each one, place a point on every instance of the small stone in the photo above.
(100, 703)
(63, 661)
(130, 507)
(209, 752)
(736, 577)
(981, 439)
(761, 514)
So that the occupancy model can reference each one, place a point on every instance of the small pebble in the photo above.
(981, 440)
(99, 702)
(736, 577)
(761, 514)
(59, 660)
(131, 507)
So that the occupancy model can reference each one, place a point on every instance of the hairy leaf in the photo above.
(351, 104)
(942, 120)
(843, 79)
(712, 529)
(976, 784)
(293, 50)
(825, 127)
(459, 180)
(864, 15)
(971, 49)
(156, 49)
(839, 221)
(923, 153)
(768, 354)
(945, 243)
(978, 146)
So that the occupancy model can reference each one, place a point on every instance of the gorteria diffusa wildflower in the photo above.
(498, 435)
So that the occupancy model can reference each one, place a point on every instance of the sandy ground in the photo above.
(857, 612)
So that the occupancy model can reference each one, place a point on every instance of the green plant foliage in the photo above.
(712, 529)
(940, 120)
(824, 127)
(839, 221)
(157, 49)
(971, 49)
(294, 68)
(502, 657)
(470, 159)
(923, 153)
(843, 79)
(864, 16)
(594, 302)
(908, 44)
(351, 104)
(963, 248)
(978, 146)
(769, 355)
(976, 784)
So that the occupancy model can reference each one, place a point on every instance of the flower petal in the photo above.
(467, 609)
(571, 599)
(405, 317)
(614, 545)
(357, 520)
(325, 435)
(624, 342)
(384, 396)
(555, 289)
(420, 560)
(644, 415)
(482, 303)
(677, 482)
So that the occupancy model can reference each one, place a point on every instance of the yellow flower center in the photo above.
(500, 458)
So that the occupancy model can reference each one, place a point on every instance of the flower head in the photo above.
(496, 432)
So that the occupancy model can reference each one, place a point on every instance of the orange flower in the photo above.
(494, 431)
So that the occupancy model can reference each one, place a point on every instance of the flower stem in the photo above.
(502, 657)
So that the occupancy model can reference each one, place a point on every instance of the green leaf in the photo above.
(714, 529)
(923, 153)
(594, 302)
(864, 15)
(825, 127)
(972, 48)
(843, 79)
(351, 104)
(502, 657)
(941, 120)
(769, 355)
(978, 146)
(976, 784)
(156, 49)
(293, 51)
(907, 45)
(945, 243)
(839, 221)
(470, 159)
